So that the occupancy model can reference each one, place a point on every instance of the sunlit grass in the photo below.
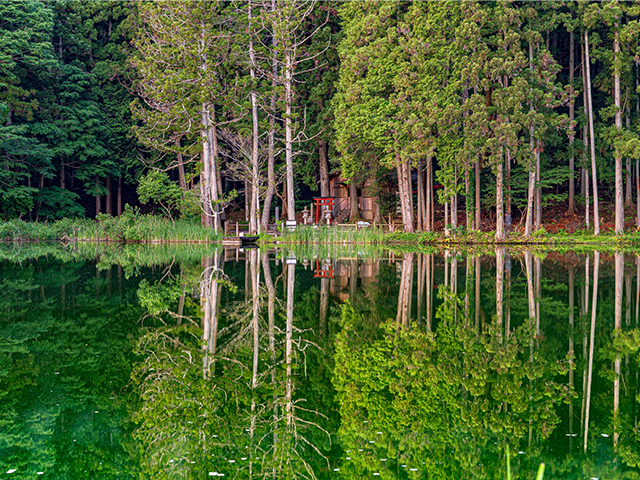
(123, 229)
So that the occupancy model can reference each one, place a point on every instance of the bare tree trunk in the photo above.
(271, 159)
(594, 176)
(205, 176)
(63, 178)
(215, 183)
(619, 228)
(254, 214)
(288, 126)
(572, 191)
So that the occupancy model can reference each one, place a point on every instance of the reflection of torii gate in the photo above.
(321, 272)
(323, 202)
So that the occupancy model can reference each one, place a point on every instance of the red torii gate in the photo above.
(323, 202)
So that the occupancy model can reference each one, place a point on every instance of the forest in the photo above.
(452, 116)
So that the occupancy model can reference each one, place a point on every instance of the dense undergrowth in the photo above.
(130, 227)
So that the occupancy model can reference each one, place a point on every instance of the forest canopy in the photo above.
(447, 115)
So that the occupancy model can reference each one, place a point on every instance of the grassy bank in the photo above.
(378, 236)
(128, 228)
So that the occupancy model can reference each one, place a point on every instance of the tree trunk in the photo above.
(429, 197)
(205, 175)
(404, 186)
(628, 199)
(254, 219)
(182, 179)
(63, 179)
(420, 209)
(499, 203)
(98, 206)
(214, 184)
(119, 199)
(288, 125)
(619, 228)
(324, 168)
(538, 216)
(354, 211)
(594, 176)
(109, 199)
(572, 187)
(477, 203)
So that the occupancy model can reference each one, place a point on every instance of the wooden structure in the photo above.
(325, 202)
(340, 190)
(236, 229)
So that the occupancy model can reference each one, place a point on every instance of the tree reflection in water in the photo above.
(427, 372)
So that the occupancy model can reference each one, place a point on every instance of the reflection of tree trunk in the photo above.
(324, 305)
(571, 359)
(404, 295)
(429, 258)
(353, 279)
(499, 283)
(467, 287)
(477, 292)
(254, 268)
(528, 260)
(420, 287)
(291, 278)
(538, 274)
(594, 299)
(619, 274)
(420, 187)
(585, 340)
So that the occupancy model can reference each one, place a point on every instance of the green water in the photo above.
(197, 362)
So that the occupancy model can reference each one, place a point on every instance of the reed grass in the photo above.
(128, 228)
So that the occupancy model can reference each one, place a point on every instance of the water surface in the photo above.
(198, 362)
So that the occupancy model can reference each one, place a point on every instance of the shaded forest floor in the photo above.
(555, 219)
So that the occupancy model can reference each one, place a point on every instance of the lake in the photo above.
(319, 362)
